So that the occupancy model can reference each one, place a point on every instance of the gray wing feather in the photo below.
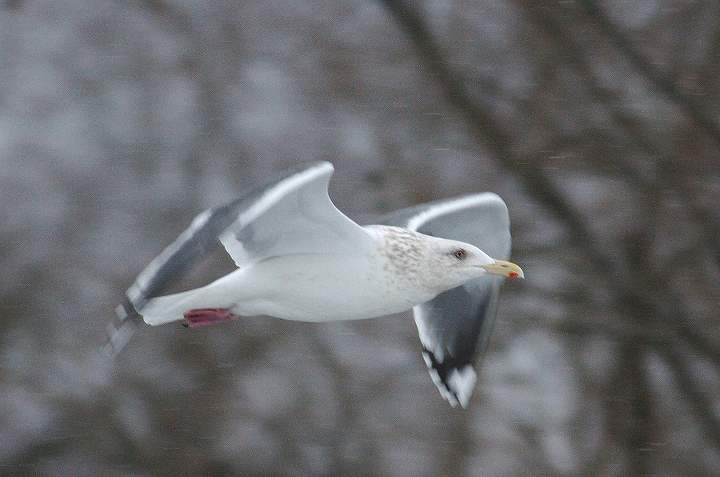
(455, 326)
(294, 216)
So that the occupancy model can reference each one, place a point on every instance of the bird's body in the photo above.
(402, 269)
(299, 258)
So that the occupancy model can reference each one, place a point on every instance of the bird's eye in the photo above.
(460, 254)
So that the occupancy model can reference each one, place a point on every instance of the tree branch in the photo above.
(627, 284)
(663, 82)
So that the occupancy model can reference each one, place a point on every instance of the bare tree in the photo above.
(596, 121)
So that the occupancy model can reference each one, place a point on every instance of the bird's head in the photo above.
(463, 262)
(436, 264)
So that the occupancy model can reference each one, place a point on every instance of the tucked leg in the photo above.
(208, 316)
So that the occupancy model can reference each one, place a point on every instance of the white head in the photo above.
(461, 262)
(441, 264)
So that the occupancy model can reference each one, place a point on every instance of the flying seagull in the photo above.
(300, 258)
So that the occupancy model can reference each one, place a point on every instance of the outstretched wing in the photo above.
(290, 214)
(455, 326)
(294, 215)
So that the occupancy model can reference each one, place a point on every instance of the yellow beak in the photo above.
(506, 269)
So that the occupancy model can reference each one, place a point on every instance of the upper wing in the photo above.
(455, 326)
(290, 214)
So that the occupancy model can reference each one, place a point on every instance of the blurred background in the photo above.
(597, 122)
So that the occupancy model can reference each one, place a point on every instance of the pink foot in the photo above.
(208, 316)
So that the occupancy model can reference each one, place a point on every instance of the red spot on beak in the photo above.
(513, 275)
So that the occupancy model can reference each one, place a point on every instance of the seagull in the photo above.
(299, 258)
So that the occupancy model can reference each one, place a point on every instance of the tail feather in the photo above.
(120, 331)
(165, 309)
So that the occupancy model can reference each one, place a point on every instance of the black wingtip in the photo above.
(442, 369)
(455, 378)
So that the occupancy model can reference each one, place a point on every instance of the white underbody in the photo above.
(306, 287)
